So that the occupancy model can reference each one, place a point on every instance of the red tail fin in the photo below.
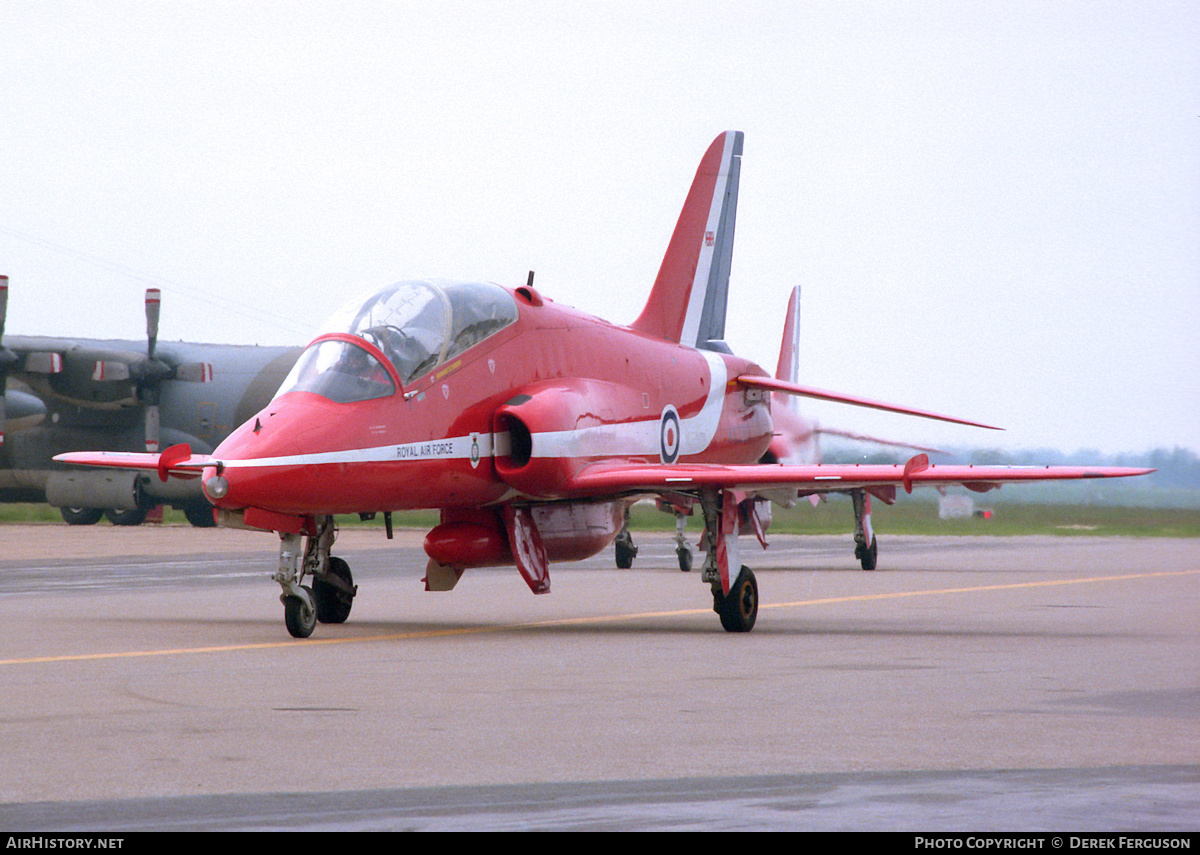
(687, 303)
(789, 349)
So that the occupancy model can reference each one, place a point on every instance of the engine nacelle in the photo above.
(113, 488)
(554, 427)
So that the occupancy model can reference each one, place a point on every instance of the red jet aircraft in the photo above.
(532, 427)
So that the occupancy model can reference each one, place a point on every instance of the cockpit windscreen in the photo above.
(418, 325)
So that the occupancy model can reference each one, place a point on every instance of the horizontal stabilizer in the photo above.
(176, 461)
(775, 385)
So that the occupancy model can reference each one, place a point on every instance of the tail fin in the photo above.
(687, 303)
(789, 349)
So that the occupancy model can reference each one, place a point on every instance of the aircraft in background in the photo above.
(532, 427)
(65, 394)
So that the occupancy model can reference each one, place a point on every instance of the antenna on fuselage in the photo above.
(529, 281)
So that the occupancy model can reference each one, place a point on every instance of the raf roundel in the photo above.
(668, 435)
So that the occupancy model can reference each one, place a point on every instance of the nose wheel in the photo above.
(299, 612)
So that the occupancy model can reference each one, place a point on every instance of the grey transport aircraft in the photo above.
(66, 394)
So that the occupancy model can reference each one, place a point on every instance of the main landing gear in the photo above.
(625, 550)
(866, 550)
(739, 608)
(736, 601)
(623, 546)
(683, 550)
(331, 594)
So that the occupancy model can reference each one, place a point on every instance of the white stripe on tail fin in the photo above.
(688, 301)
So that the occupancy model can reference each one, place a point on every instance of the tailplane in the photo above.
(688, 301)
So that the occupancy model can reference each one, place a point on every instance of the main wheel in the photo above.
(739, 608)
(867, 555)
(199, 514)
(334, 597)
(300, 619)
(132, 516)
(625, 553)
(81, 516)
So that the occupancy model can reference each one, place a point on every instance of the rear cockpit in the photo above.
(415, 325)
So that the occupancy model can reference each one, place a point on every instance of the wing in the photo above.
(807, 479)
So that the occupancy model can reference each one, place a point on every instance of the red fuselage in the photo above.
(513, 416)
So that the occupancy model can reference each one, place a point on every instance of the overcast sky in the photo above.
(993, 208)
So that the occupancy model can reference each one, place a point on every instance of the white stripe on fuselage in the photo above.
(642, 438)
(477, 445)
(627, 439)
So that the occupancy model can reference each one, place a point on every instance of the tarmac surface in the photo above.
(147, 682)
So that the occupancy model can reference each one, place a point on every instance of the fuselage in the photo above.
(549, 390)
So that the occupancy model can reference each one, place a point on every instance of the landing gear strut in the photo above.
(735, 598)
(331, 595)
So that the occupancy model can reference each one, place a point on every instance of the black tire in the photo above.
(200, 514)
(868, 556)
(685, 558)
(81, 516)
(133, 516)
(739, 608)
(300, 620)
(333, 600)
(625, 553)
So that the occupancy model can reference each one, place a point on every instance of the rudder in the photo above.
(691, 291)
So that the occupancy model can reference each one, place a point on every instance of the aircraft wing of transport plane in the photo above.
(532, 427)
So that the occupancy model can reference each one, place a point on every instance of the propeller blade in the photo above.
(5, 357)
(194, 372)
(108, 369)
(152, 427)
(3, 303)
(153, 307)
(43, 362)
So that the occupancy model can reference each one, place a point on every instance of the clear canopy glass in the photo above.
(417, 325)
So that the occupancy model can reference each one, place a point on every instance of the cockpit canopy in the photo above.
(417, 325)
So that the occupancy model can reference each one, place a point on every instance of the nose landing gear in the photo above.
(331, 595)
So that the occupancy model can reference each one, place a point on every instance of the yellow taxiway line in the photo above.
(593, 619)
